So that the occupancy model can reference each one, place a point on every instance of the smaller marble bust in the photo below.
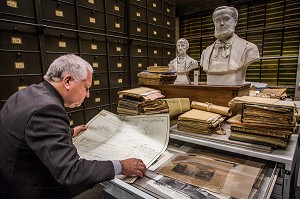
(183, 63)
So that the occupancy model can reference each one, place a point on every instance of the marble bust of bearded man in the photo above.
(226, 60)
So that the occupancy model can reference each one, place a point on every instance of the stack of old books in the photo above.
(156, 75)
(141, 100)
(203, 121)
(264, 121)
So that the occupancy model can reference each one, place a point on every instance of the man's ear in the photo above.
(66, 81)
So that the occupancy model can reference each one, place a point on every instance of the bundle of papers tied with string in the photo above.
(199, 121)
(141, 100)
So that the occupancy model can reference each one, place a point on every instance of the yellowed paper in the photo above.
(178, 106)
(212, 108)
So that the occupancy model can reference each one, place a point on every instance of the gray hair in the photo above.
(185, 41)
(233, 11)
(68, 64)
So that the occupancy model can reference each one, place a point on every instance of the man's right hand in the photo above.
(133, 166)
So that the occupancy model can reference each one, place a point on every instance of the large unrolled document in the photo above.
(212, 108)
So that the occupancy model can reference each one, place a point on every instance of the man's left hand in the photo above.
(78, 129)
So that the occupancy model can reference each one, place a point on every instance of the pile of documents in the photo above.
(199, 121)
(264, 121)
(141, 100)
(156, 75)
(221, 176)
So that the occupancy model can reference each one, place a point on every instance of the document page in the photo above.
(112, 137)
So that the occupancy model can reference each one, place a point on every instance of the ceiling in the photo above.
(187, 7)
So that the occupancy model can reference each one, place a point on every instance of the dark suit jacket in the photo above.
(37, 156)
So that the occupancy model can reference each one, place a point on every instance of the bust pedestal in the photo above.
(182, 78)
(218, 95)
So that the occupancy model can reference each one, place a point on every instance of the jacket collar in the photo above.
(54, 91)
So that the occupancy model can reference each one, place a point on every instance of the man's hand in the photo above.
(133, 166)
(78, 129)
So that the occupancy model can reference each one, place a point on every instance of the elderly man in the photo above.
(183, 63)
(227, 59)
(38, 158)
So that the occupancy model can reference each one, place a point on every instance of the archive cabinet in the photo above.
(118, 38)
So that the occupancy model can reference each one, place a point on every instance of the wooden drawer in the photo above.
(118, 79)
(97, 98)
(168, 22)
(138, 13)
(76, 118)
(98, 62)
(139, 63)
(59, 12)
(118, 47)
(10, 85)
(100, 81)
(116, 24)
(20, 63)
(169, 51)
(155, 5)
(18, 37)
(168, 35)
(153, 61)
(138, 48)
(19, 8)
(154, 32)
(117, 7)
(168, 8)
(138, 28)
(93, 4)
(154, 17)
(119, 63)
(93, 44)
(61, 41)
(155, 50)
(90, 18)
